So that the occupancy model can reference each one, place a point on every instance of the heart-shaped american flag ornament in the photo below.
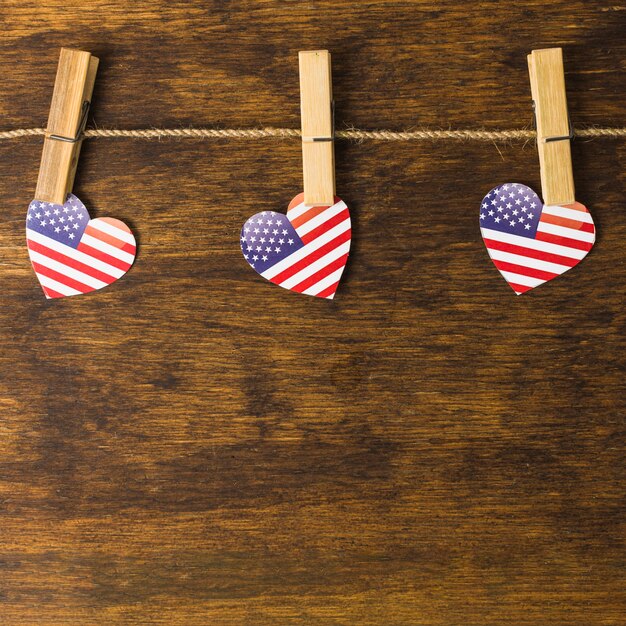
(73, 254)
(305, 250)
(532, 243)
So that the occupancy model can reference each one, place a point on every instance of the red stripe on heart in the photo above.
(327, 225)
(311, 258)
(73, 263)
(103, 256)
(320, 274)
(530, 252)
(524, 270)
(563, 241)
(61, 278)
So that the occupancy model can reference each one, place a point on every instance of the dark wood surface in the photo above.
(195, 446)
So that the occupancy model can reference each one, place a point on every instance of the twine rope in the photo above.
(354, 134)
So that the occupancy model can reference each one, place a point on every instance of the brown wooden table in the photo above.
(195, 446)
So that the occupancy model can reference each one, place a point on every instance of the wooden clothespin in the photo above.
(71, 99)
(554, 130)
(318, 133)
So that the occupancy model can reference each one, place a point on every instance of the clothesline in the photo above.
(349, 133)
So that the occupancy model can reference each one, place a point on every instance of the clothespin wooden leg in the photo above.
(318, 154)
(547, 82)
(73, 88)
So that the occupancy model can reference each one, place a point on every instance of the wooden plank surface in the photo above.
(194, 446)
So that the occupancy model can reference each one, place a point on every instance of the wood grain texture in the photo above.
(195, 446)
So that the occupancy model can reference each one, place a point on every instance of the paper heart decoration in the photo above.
(72, 254)
(529, 242)
(305, 250)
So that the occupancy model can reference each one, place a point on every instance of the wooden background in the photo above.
(195, 446)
